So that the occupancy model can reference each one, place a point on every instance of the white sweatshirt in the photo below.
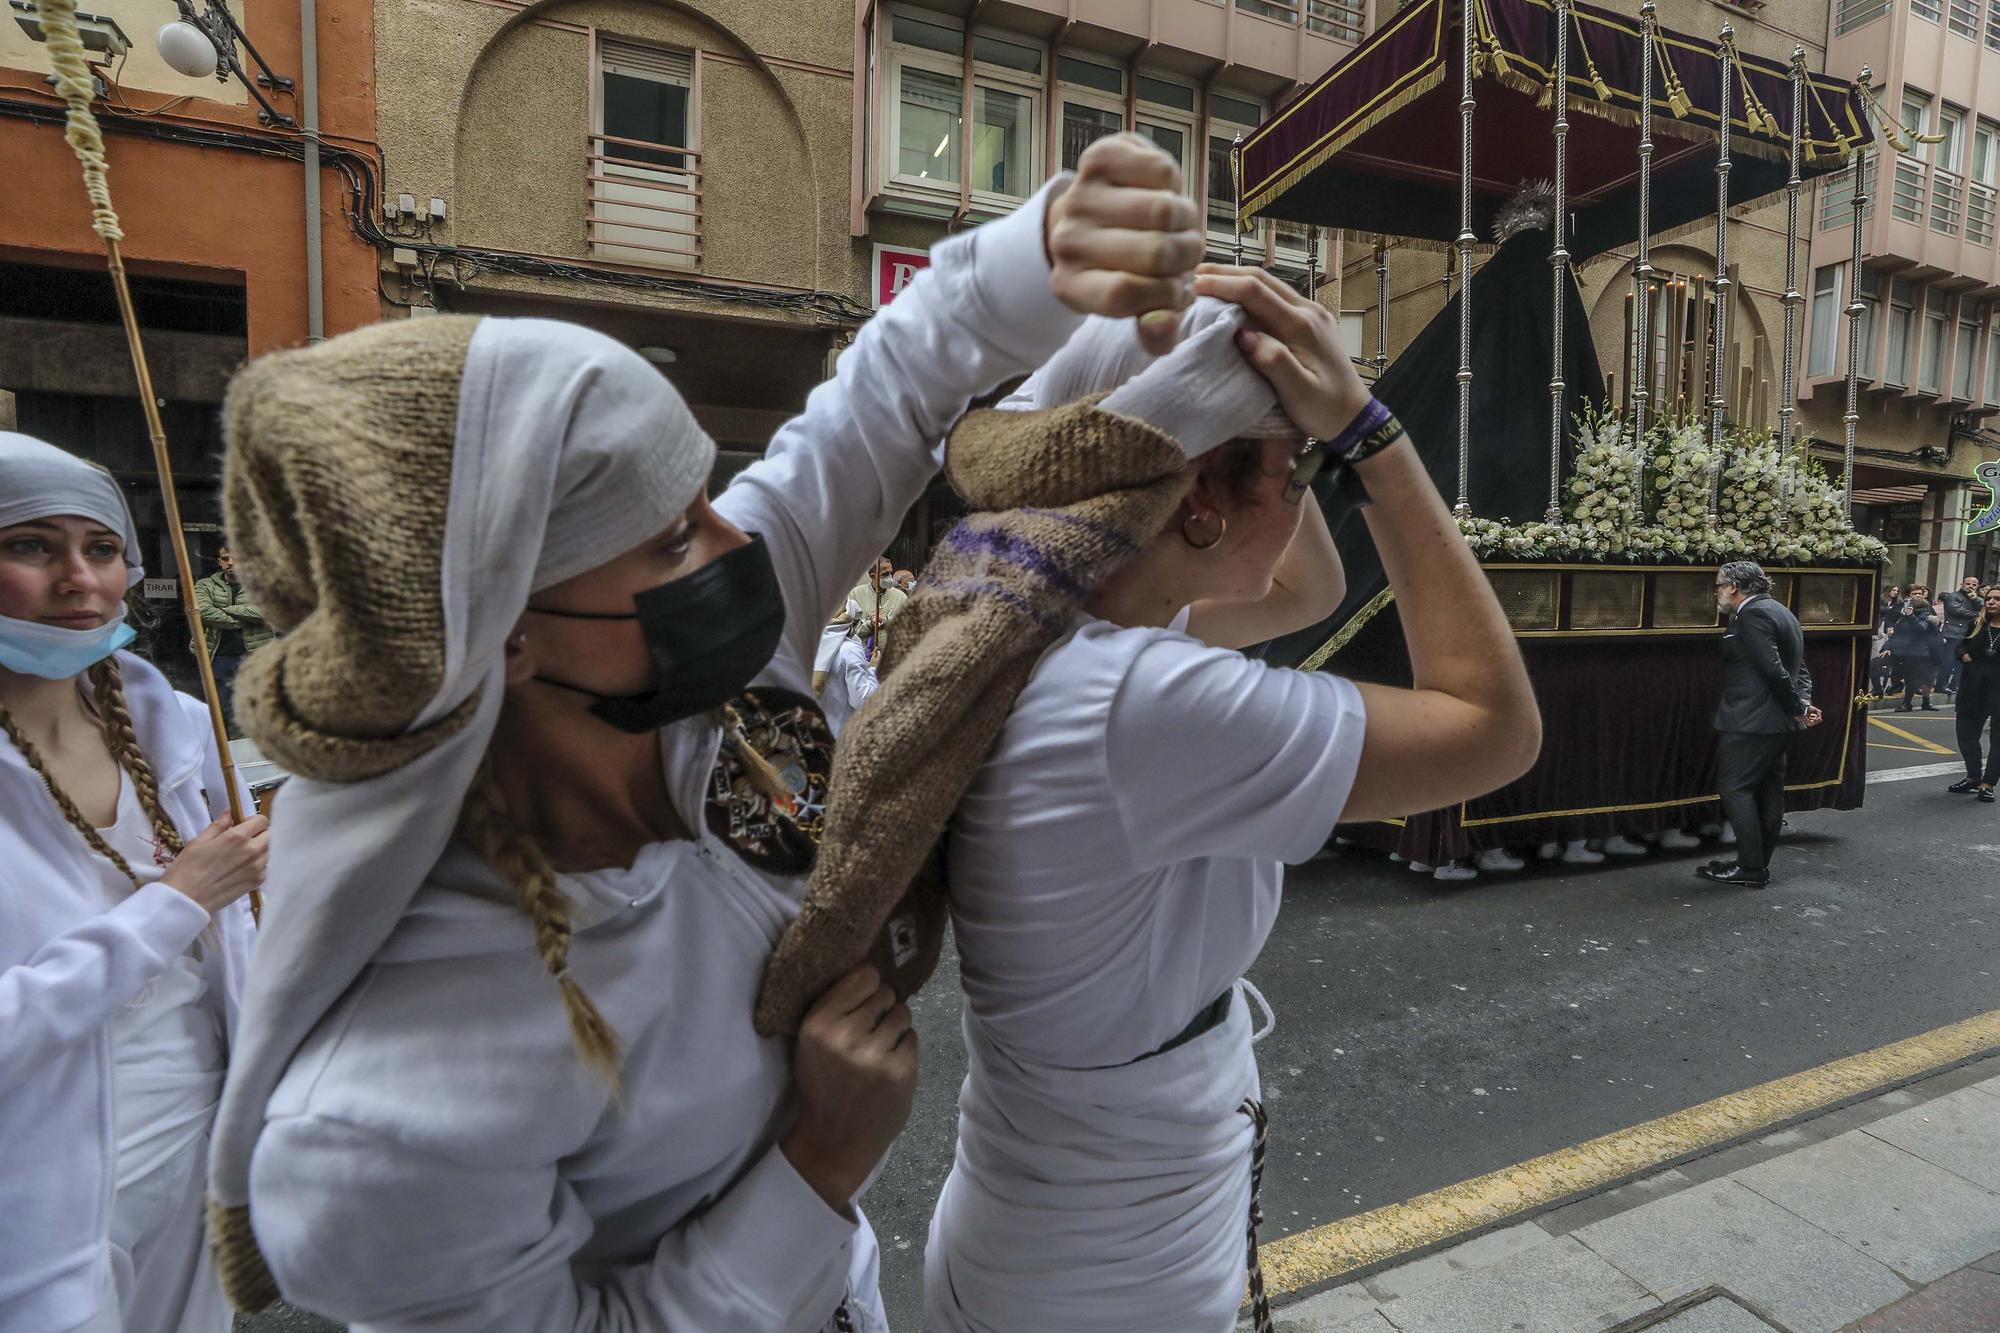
(436, 1157)
(68, 967)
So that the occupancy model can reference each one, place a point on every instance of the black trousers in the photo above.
(1978, 707)
(1750, 778)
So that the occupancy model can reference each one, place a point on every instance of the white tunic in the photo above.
(1115, 868)
(167, 1056)
(848, 684)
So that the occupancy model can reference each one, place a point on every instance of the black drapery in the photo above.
(1512, 337)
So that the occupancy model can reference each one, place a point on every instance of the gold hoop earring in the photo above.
(1222, 530)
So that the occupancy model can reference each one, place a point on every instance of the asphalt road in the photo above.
(1429, 1033)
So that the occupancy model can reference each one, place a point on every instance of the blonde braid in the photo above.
(61, 797)
(485, 824)
(108, 682)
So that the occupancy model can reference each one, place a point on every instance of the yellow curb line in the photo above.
(1325, 1252)
(1913, 749)
(1930, 745)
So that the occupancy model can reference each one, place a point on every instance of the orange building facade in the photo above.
(211, 192)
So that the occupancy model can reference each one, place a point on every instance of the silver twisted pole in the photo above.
(1236, 183)
(1381, 307)
(1855, 309)
(1463, 507)
(1788, 378)
(1725, 54)
(1559, 261)
(1312, 292)
(1642, 271)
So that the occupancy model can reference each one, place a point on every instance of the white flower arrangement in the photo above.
(1649, 500)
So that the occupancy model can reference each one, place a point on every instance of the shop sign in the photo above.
(162, 590)
(1988, 520)
(894, 269)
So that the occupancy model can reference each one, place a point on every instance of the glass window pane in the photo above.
(930, 36)
(927, 141)
(1962, 370)
(1002, 132)
(1174, 141)
(1221, 184)
(649, 110)
(1165, 93)
(1083, 126)
(1235, 110)
(1933, 376)
(1008, 55)
(1824, 323)
(1090, 74)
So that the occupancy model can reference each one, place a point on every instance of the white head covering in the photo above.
(38, 480)
(1202, 393)
(569, 450)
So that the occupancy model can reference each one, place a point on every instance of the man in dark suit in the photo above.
(1766, 697)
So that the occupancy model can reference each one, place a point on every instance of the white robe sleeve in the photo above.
(73, 984)
(860, 673)
(477, 1246)
(834, 484)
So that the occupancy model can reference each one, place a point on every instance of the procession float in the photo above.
(1600, 520)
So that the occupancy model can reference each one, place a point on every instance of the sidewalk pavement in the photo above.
(1881, 1217)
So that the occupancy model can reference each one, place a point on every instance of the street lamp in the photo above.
(203, 42)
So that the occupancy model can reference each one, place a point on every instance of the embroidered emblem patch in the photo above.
(774, 825)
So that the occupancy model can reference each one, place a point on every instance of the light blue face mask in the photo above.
(55, 653)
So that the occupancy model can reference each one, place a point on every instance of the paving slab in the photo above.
(1917, 1218)
(1959, 1132)
(1968, 1301)
(1479, 1252)
(1723, 1234)
(1371, 1322)
(1547, 1289)
(1718, 1314)
(1325, 1310)
(1575, 1216)
(1990, 1264)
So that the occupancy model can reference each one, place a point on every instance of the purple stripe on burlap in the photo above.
(1015, 550)
(1090, 525)
(1000, 592)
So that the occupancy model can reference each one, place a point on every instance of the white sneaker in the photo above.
(1728, 836)
(1678, 840)
(1498, 859)
(1711, 830)
(1623, 846)
(1549, 851)
(1576, 852)
(1420, 867)
(1397, 858)
(1454, 870)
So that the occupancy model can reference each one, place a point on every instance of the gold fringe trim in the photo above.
(1345, 634)
(1317, 155)
(239, 1265)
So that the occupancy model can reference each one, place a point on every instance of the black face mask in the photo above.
(710, 633)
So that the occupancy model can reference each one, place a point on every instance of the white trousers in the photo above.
(159, 1279)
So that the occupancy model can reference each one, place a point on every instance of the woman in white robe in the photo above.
(1118, 860)
(124, 936)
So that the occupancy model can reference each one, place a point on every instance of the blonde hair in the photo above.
(484, 823)
(122, 740)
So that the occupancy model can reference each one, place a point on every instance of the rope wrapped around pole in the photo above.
(76, 86)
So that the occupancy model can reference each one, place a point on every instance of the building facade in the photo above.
(1928, 286)
(211, 190)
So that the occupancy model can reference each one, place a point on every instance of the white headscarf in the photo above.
(1202, 393)
(569, 450)
(38, 480)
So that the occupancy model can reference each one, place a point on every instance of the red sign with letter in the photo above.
(894, 268)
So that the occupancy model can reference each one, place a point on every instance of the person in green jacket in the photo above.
(231, 628)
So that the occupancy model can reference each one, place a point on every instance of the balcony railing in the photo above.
(1947, 201)
(1340, 20)
(1284, 11)
(1963, 19)
(1979, 214)
(644, 207)
(1906, 200)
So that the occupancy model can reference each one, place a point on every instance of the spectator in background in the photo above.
(906, 582)
(850, 681)
(1978, 653)
(879, 599)
(1891, 605)
(231, 628)
(1916, 644)
(1961, 609)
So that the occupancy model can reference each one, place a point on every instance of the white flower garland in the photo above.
(1769, 507)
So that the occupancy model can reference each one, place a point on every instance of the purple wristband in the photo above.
(1369, 420)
